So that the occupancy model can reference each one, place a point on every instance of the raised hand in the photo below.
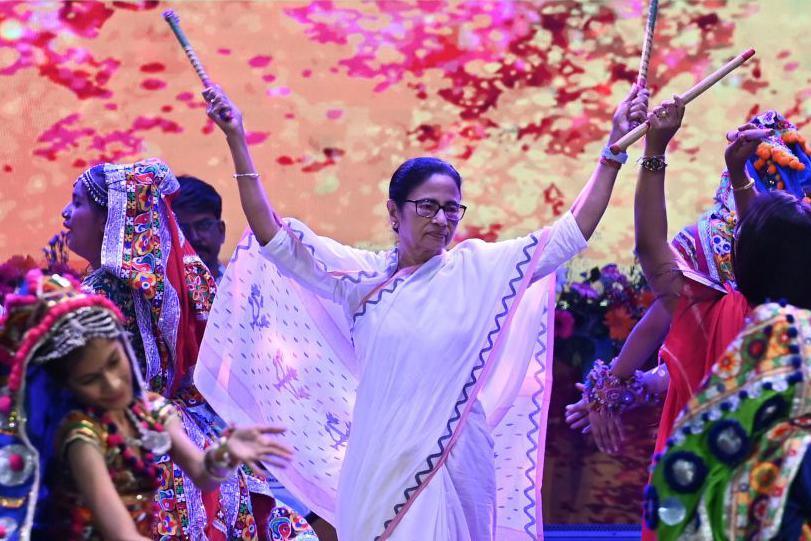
(250, 446)
(664, 122)
(631, 112)
(225, 114)
(743, 144)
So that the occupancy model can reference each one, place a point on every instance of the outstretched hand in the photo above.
(631, 112)
(225, 114)
(606, 429)
(250, 446)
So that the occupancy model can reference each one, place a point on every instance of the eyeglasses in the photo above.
(428, 208)
(200, 227)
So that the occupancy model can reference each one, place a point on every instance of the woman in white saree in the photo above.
(441, 340)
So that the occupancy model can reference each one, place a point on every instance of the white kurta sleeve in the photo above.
(565, 241)
(321, 265)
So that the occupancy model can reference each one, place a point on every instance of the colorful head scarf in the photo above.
(48, 318)
(781, 162)
(734, 451)
(143, 248)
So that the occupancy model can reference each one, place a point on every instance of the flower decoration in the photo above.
(727, 366)
(619, 322)
(596, 313)
(14, 269)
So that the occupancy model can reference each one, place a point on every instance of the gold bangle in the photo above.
(744, 187)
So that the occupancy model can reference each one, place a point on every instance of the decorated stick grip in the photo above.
(637, 133)
(647, 47)
(174, 23)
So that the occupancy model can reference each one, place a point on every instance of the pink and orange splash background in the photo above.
(336, 94)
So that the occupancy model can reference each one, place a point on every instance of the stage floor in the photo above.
(566, 532)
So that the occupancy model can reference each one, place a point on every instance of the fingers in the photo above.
(576, 418)
(668, 114)
(632, 94)
(745, 142)
(272, 429)
(219, 110)
(600, 437)
(278, 450)
(608, 432)
(575, 412)
(679, 106)
(733, 135)
(638, 110)
(753, 135)
(615, 433)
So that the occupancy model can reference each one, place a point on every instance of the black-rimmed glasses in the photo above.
(428, 208)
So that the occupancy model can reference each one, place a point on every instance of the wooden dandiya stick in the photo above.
(647, 47)
(174, 23)
(637, 133)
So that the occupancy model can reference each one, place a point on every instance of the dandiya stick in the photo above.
(174, 23)
(642, 76)
(637, 133)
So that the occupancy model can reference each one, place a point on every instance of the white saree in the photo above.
(416, 402)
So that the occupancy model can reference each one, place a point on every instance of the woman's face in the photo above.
(84, 224)
(424, 236)
(100, 375)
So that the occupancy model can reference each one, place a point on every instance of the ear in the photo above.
(221, 226)
(394, 214)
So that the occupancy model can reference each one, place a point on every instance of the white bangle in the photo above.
(743, 188)
(620, 157)
(251, 175)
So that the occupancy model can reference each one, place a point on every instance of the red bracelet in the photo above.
(610, 163)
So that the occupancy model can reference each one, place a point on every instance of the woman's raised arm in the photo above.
(592, 201)
(255, 204)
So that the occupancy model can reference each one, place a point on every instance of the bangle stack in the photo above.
(218, 461)
(607, 393)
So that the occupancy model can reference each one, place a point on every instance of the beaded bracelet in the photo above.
(606, 392)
